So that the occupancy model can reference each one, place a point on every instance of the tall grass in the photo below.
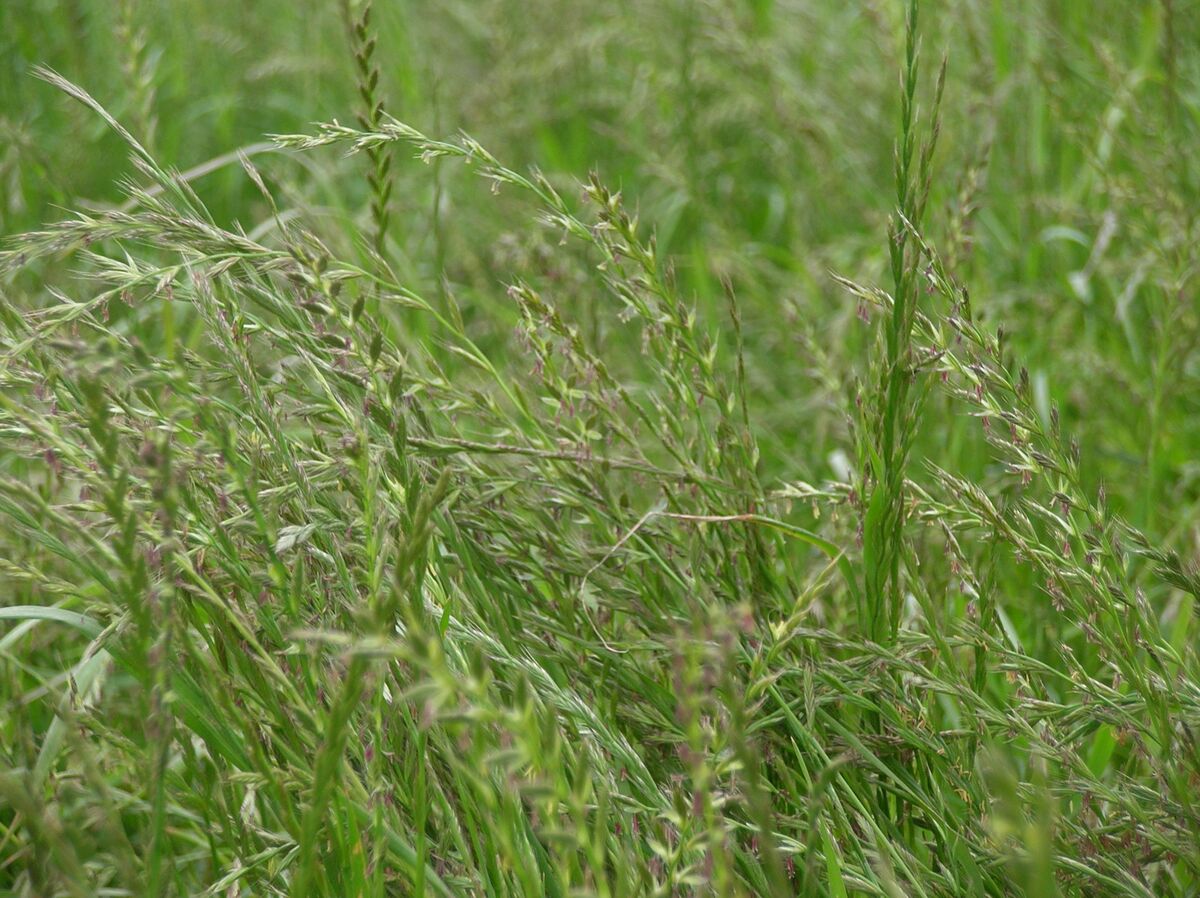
(558, 539)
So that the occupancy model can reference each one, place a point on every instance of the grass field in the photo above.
(651, 447)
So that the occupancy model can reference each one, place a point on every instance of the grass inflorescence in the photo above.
(731, 475)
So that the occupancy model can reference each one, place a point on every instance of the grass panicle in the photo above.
(574, 535)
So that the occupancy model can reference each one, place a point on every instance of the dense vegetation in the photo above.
(730, 470)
